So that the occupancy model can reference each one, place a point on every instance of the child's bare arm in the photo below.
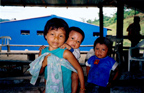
(87, 69)
(116, 73)
(70, 57)
(65, 45)
(44, 63)
(113, 76)
(40, 49)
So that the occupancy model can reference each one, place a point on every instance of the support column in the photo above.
(101, 20)
(120, 13)
(119, 32)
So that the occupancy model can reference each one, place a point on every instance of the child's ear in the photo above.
(45, 36)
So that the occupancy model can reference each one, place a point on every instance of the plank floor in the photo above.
(125, 84)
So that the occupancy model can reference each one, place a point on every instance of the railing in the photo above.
(31, 53)
(5, 42)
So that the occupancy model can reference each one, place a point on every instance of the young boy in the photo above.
(100, 66)
(75, 38)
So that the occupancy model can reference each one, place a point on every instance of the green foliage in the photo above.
(95, 22)
(130, 13)
(89, 21)
(110, 22)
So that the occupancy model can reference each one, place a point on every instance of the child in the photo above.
(100, 65)
(56, 33)
(76, 36)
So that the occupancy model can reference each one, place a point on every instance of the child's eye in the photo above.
(72, 38)
(97, 48)
(51, 34)
(78, 41)
(61, 35)
(103, 49)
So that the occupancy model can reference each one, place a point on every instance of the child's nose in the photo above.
(100, 51)
(56, 38)
(74, 42)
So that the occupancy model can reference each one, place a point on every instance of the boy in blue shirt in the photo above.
(100, 66)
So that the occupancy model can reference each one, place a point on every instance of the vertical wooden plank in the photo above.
(101, 20)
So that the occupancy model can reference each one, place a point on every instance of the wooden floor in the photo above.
(120, 86)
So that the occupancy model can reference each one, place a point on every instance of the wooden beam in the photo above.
(120, 14)
(101, 20)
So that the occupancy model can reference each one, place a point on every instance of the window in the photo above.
(25, 32)
(96, 34)
(40, 32)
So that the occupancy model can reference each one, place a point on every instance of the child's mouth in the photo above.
(99, 55)
(54, 43)
(73, 46)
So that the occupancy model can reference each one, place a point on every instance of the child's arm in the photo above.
(44, 63)
(70, 57)
(76, 52)
(87, 69)
(40, 49)
(116, 73)
(113, 76)
(65, 45)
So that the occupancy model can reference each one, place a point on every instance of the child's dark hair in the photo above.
(77, 30)
(56, 23)
(106, 41)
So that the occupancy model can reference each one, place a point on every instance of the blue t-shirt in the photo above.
(100, 69)
(65, 72)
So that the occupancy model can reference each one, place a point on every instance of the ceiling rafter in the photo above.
(135, 4)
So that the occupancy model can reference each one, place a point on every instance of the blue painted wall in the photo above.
(13, 29)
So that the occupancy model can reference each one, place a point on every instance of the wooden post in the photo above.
(8, 49)
(119, 33)
(0, 48)
(101, 20)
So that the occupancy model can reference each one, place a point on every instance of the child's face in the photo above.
(55, 38)
(74, 39)
(101, 50)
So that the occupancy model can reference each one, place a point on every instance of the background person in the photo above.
(134, 34)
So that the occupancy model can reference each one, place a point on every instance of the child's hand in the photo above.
(42, 47)
(45, 60)
(65, 45)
